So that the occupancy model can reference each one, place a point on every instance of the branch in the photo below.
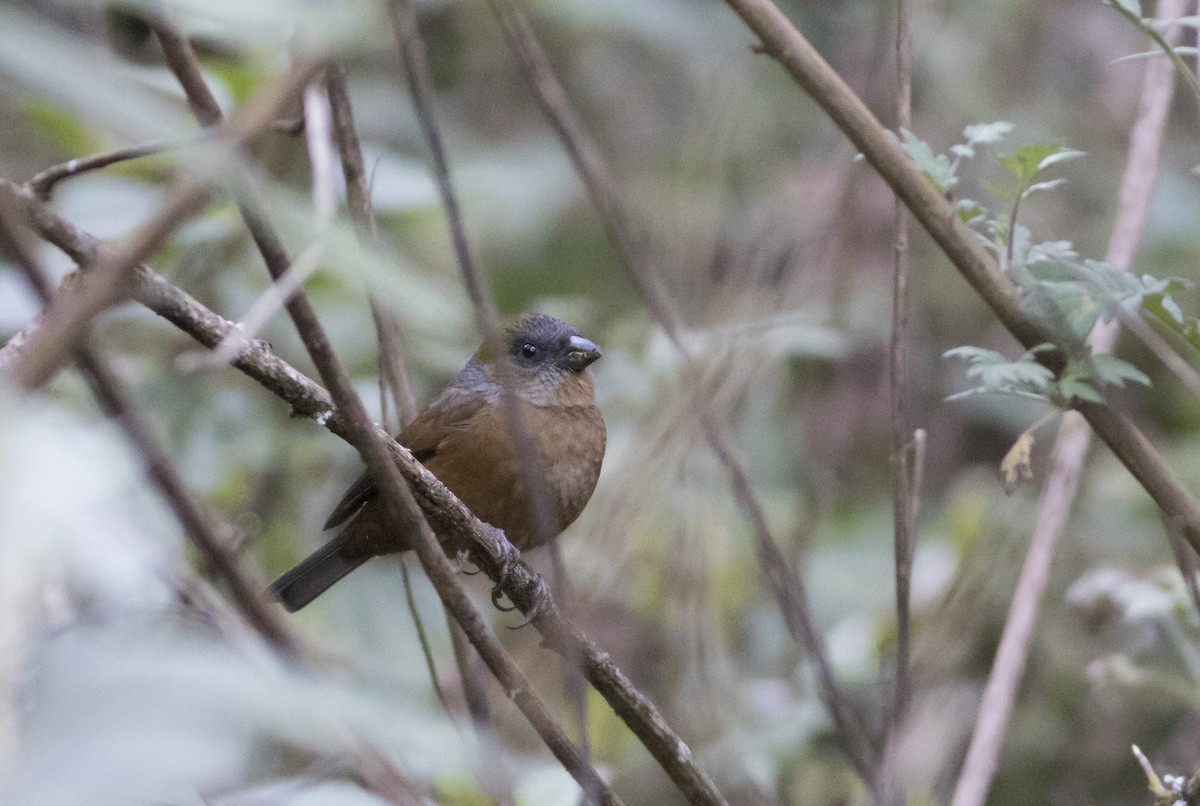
(784, 43)
(904, 525)
(392, 367)
(420, 87)
(45, 181)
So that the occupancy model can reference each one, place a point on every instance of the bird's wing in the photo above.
(450, 412)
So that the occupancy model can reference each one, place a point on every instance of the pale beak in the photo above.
(580, 354)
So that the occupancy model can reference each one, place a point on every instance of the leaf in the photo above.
(1116, 371)
(997, 375)
(935, 166)
(1016, 464)
(1181, 50)
(1025, 162)
(987, 132)
(1071, 386)
(969, 211)
(1061, 156)
(1039, 186)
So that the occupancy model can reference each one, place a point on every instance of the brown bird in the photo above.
(536, 367)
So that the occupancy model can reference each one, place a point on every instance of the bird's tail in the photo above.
(315, 573)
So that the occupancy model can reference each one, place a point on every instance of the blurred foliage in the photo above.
(124, 678)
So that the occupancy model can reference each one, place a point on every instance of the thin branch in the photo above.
(1000, 692)
(393, 375)
(1071, 448)
(322, 157)
(450, 518)
(789, 590)
(197, 525)
(43, 183)
(1185, 560)
(392, 368)
(420, 86)
(902, 516)
(784, 43)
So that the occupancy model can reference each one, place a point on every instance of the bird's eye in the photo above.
(529, 350)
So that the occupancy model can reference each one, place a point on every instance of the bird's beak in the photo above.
(581, 353)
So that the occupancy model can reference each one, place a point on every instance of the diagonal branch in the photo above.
(784, 43)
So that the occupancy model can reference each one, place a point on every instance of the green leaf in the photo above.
(1071, 387)
(1024, 164)
(969, 211)
(1116, 371)
(935, 166)
(1023, 377)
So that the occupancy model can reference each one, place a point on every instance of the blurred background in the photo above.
(124, 678)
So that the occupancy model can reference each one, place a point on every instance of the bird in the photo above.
(530, 377)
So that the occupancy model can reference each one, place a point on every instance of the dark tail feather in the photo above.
(315, 574)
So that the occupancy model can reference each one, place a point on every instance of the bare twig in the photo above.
(43, 183)
(1185, 560)
(392, 368)
(1071, 447)
(196, 523)
(322, 158)
(420, 86)
(996, 705)
(574, 691)
(788, 588)
(902, 515)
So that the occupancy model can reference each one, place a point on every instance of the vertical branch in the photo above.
(903, 518)
(902, 515)
(392, 367)
(420, 86)
(1061, 486)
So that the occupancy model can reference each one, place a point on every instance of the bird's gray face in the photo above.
(543, 343)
